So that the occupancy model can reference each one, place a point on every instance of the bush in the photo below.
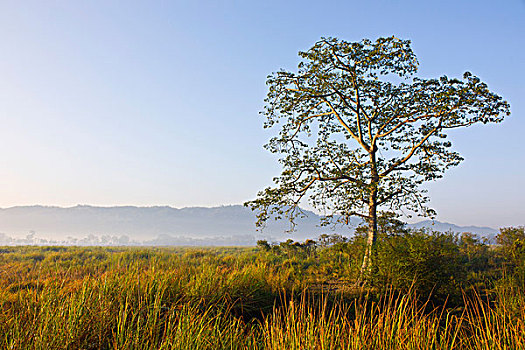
(512, 247)
(427, 262)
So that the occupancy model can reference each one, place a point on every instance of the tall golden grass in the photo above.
(162, 299)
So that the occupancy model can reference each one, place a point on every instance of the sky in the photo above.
(157, 103)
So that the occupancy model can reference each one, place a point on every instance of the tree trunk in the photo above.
(368, 259)
(372, 235)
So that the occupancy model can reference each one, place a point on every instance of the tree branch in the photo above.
(412, 151)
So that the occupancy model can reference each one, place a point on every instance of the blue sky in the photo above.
(156, 103)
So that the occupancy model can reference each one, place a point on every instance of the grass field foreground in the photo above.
(227, 298)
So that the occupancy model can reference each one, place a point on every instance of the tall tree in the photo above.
(357, 131)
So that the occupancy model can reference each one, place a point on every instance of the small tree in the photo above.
(512, 242)
(357, 131)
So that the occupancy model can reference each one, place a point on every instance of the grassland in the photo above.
(287, 296)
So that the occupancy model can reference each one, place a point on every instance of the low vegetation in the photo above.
(428, 290)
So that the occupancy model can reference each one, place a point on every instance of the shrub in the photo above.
(512, 247)
(428, 262)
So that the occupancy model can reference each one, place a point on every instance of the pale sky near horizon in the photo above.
(156, 102)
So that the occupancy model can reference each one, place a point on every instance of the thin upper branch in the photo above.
(412, 151)
(343, 123)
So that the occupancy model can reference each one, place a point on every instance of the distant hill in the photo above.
(157, 225)
(225, 225)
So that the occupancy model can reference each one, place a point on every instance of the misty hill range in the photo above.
(163, 225)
